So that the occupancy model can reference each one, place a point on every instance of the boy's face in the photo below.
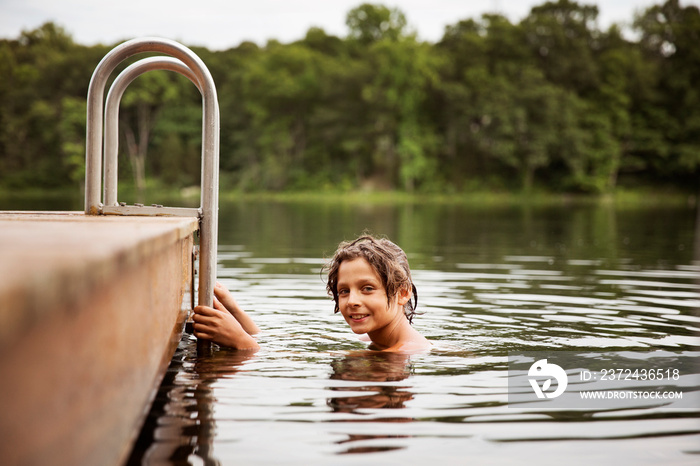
(362, 297)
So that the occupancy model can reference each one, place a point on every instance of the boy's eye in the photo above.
(367, 288)
(343, 291)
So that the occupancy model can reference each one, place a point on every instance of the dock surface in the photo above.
(91, 311)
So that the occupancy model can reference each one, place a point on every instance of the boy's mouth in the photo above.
(358, 317)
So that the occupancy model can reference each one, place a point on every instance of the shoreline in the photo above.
(622, 197)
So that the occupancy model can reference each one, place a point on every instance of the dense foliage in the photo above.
(551, 101)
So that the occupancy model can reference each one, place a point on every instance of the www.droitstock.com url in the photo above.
(630, 395)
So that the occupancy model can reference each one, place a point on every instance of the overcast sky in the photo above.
(222, 24)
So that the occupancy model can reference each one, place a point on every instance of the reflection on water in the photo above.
(593, 281)
(370, 366)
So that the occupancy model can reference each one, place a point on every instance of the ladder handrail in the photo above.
(111, 118)
(208, 218)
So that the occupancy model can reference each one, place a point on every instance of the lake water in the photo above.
(597, 281)
(602, 283)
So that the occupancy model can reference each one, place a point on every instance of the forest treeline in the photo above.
(550, 102)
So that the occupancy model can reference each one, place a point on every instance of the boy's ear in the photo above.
(404, 295)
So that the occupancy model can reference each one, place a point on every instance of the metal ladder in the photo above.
(181, 60)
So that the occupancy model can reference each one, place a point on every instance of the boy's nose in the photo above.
(353, 298)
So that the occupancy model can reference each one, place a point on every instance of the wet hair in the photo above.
(386, 258)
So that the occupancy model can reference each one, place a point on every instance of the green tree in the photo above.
(670, 37)
(486, 74)
(281, 88)
(39, 71)
(371, 23)
(599, 68)
(564, 38)
(403, 140)
(139, 109)
(72, 131)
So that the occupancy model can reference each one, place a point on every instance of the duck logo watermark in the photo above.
(541, 369)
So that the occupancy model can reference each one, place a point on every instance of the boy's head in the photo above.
(386, 258)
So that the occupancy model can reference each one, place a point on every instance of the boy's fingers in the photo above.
(204, 326)
(219, 306)
(219, 293)
(202, 334)
(226, 299)
(204, 311)
(218, 287)
(204, 321)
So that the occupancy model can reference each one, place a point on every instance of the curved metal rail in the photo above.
(114, 97)
(190, 65)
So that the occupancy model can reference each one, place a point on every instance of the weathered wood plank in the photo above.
(91, 310)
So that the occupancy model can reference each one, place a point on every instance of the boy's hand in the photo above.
(220, 326)
(224, 296)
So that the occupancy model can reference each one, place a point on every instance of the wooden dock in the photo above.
(91, 311)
